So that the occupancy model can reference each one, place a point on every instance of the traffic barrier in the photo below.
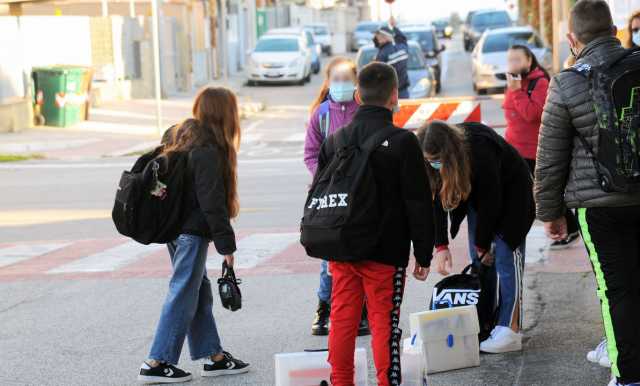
(415, 112)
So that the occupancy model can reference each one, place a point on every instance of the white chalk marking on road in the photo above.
(108, 260)
(18, 253)
(297, 137)
(424, 112)
(122, 165)
(461, 113)
(254, 249)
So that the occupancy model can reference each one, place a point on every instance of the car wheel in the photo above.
(438, 87)
(251, 83)
(316, 69)
(307, 79)
(329, 51)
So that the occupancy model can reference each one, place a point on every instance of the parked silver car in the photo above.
(280, 58)
(363, 34)
(322, 36)
(421, 79)
(489, 58)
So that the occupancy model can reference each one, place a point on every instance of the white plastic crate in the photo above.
(311, 368)
(414, 363)
(449, 336)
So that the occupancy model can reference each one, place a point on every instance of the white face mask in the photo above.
(636, 38)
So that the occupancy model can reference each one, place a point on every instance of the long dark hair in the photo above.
(534, 61)
(447, 143)
(215, 122)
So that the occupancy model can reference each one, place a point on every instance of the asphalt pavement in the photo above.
(79, 304)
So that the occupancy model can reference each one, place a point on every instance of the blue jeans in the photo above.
(187, 310)
(324, 291)
(509, 267)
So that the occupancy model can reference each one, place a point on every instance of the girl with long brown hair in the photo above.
(475, 174)
(332, 109)
(210, 140)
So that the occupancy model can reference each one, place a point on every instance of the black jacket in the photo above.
(401, 179)
(397, 55)
(207, 200)
(501, 192)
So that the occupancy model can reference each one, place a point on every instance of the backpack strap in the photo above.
(324, 121)
(532, 86)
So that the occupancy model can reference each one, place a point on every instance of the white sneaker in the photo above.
(600, 355)
(501, 340)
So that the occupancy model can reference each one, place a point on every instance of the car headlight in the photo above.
(448, 31)
(485, 68)
(295, 62)
(421, 87)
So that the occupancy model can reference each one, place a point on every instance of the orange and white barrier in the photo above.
(415, 112)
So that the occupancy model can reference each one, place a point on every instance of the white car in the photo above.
(322, 36)
(489, 58)
(280, 58)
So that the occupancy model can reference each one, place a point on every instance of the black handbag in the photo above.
(229, 288)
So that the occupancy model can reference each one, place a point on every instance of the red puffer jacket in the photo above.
(524, 114)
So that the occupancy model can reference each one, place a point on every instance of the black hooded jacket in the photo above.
(501, 192)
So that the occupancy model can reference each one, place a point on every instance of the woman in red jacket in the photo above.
(527, 84)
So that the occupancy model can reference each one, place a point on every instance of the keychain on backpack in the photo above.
(228, 286)
(159, 188)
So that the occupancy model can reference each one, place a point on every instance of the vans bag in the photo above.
(149, 203)
(474, 286)
(342, 212)
(229, 289)
(615, 89)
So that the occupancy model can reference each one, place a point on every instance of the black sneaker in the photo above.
(320, 326)
(228, 366)
(564, 244)
(163, 373)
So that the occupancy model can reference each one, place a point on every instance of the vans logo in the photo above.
(329, 201)
(456, 297)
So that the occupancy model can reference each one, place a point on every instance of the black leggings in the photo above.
(572, 223)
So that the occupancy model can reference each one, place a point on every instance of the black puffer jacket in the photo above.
(565, 175)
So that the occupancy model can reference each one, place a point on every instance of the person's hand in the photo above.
(229, 259)
(486, 257)
(443, 260)
(512, 83)
(420, 273)
(557, 229)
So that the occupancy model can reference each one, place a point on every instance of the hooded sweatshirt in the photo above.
(340, 115)
(524, 114)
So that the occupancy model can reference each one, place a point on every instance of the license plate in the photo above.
(273, 74)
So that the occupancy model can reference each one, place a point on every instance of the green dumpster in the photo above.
(61, 92)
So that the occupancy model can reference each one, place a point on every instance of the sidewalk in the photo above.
(113, 129)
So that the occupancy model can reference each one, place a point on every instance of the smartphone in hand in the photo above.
(515, 76)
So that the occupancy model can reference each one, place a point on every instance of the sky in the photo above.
(424, 10)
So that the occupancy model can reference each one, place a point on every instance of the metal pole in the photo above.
(155, 21)
(223, 41)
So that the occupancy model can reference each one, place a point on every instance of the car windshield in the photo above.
(416, 61)
(440, 23)
(502, 42)
(320, 30)
(309, 35)
(277, 45)
(487, 19)
(424, 38)
(369, 27)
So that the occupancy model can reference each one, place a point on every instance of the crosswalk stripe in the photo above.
(18, 253)
(108, 260)
(254, 249)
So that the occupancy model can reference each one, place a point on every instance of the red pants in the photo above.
(383, 286)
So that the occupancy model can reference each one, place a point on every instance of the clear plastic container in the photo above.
(449, 336)
(414, 363)
(312, 368)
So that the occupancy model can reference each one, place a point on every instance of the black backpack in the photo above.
(342, 213)
(149, 204)
(474, 286)
(615, 89)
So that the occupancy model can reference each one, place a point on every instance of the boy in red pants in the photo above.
(407, 216)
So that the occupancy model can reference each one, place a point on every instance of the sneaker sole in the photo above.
(501, 350)
(319, 332)
(219, 373)
(150, 380)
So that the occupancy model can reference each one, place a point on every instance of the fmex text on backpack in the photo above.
(341, 214)
(149, 203)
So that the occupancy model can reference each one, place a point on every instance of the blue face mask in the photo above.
(342, 91)
(436, 164)
(636, 38)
